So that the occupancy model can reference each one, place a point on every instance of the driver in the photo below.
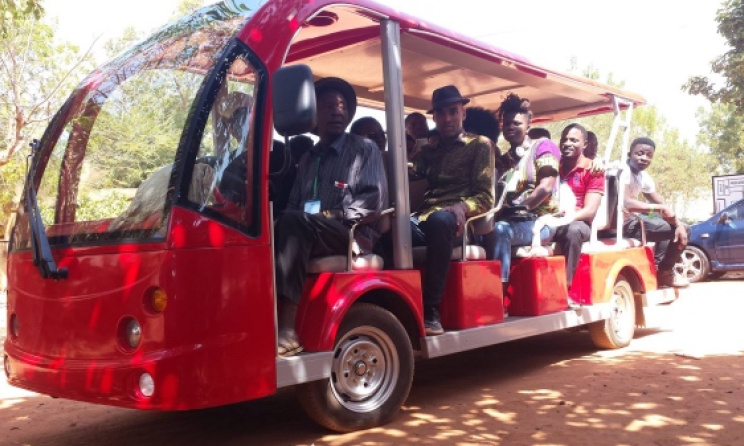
(339, 180)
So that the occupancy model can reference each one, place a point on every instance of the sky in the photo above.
(653, 46)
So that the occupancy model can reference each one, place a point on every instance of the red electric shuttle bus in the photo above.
(137, 279)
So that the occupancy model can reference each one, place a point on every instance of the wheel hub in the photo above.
(360, 368)
(365, 370)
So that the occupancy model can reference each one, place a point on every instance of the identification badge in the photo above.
(312, 207)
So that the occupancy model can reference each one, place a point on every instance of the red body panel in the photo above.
(327, 297)
(597, 272)
(537, 286)
(473, 296)
(214, 343)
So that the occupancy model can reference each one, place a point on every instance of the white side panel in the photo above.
(511, 329)
(303, 368)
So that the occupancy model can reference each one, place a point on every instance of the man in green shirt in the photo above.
(459, 167)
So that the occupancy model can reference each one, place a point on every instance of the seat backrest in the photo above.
(606, 216)
(485, 225)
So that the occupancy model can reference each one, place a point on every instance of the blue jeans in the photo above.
(508, 234)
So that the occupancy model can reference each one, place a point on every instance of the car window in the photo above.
(736, 212)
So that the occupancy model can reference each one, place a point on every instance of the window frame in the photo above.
(192, 137)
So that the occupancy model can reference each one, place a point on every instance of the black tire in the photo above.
(618, 330)
(371, 374)
(693, 265)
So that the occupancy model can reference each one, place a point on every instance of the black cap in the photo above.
(341, 86)
(445, 96)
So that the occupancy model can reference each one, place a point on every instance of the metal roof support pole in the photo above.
(620, 122)
(398, 168)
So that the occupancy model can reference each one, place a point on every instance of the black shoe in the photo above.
(433, 327)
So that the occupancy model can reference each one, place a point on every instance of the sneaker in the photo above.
(433, 327)
(667, 279)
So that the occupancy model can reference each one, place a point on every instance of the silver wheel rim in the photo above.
(690, 265)
(365, 369)
(622, 313)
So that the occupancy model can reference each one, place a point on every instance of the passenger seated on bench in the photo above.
(299, 146)
(592, 145)
(341, 179)
(418, 129)
(370, 128)
(587, 188)
(459, 170)
(530, 171)
(668, 233)
(538, 132)
(484, 122)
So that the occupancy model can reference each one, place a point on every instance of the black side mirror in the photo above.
(293, 95)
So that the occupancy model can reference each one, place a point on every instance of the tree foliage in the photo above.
(730, 65)
(36, 74)
(12, 11)
(722, 129)
(681, 172)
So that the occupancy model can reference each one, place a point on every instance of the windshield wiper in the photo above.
(42, 252)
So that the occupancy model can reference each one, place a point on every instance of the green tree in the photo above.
(35, 76)
(681, 172)
(730, 65)
(187, 7)
(722, 129)
(12, 11)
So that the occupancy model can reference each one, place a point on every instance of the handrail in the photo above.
(362, 221)
(488, 213)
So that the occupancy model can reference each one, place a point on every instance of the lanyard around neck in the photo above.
(317, 174)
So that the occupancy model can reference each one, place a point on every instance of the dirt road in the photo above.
(681, 384)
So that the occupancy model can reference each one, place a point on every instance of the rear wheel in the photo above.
(618, 330)
(371, 373)
(693, 265)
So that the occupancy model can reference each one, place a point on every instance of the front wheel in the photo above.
(618, 330)
(371, 373)
(693, 265)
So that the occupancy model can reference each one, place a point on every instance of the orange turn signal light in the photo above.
(158, 300)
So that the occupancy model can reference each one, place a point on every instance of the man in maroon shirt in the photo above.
(588, 188)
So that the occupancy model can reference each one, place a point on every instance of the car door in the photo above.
(729, 236)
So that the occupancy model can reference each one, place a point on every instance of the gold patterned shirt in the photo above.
(459, 171)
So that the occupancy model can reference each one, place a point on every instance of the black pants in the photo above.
(437, 233)
(298, 237)
(659, 231)
(569, 239)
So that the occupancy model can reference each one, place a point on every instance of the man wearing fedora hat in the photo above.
(339, 179)
(459, 169)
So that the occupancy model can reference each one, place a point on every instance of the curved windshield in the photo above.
(120, 130)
